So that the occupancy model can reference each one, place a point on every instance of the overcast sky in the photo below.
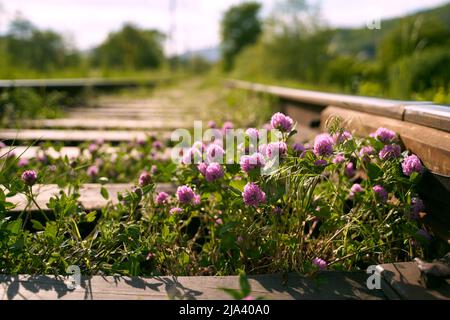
(87, 22)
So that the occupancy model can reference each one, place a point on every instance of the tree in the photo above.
(412, 35)
(40, 50)
(241, 27)
(131, 48)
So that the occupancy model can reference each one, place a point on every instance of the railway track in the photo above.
(424, 129)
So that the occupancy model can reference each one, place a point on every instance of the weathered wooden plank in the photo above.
(32, 152)
(335, 285)
(385, 107)
(144, 108)
(431, 145)
(79, 82)
(90, 196)
(70, 152)
(108, 123)
(124, 112)
(131, 116)
(429, 115)
(77, 135)
(402, 281)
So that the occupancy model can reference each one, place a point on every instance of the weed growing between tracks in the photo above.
(339, 203)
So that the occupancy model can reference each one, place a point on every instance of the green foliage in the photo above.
(244, 292)
(405, 59)
(243, 102)
(309, 212)
(196, 64)
(29, 52)
(40, 50)
(364, 42)
(17, 104)
(371, 89)
(344, 71)
(304, 55)
(240, 28)
(290, 48)
(423, 71)
(131, 48)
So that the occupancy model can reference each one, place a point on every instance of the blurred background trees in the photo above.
(27, 48)
(130, 48)
(26, 51)
(408, 58)
(241, 27)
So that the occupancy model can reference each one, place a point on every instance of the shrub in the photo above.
(421, 72)
(28, 103)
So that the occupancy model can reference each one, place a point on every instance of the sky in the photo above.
(194, 23)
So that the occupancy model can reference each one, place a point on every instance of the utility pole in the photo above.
(172, 32)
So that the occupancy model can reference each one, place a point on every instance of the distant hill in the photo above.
(364, 41)
(211, 54)
(354, 41)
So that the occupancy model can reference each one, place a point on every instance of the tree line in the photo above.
(27, 50)
(407, 58)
